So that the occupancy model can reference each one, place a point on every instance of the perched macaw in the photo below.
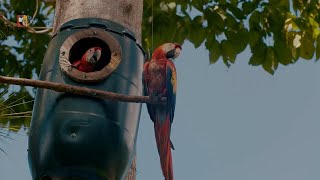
(88, 60)
(160, 80)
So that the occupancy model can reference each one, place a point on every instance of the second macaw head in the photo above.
(167, 50)
(92, 55)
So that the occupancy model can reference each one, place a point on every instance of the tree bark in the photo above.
(125, 12)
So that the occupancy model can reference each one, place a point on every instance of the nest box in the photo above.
(78, 137)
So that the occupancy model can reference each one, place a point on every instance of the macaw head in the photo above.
(92, 55)
(167, 50)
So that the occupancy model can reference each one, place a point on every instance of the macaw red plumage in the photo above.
(160, 79)
(88, 60)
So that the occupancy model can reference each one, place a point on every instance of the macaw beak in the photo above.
(97, 54)
(177, 51)
(174, 53)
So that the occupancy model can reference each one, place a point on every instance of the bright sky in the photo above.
(240, 123)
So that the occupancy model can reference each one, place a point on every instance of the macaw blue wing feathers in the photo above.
(160, 79)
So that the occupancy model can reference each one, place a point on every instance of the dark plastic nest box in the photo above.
(79, 137)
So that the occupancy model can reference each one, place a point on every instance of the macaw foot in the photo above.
(155, 98)
(171, 145)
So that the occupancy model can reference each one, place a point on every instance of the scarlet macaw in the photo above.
(88, 60)
(160, 80)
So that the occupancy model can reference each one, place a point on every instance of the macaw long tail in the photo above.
(162, 134)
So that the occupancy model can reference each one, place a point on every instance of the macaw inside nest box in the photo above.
(77, 137)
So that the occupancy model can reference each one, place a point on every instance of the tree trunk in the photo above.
(125, 12)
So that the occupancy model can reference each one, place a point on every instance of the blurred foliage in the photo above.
(276, 31)
(17, 106)
(15, 112)
(21, 55)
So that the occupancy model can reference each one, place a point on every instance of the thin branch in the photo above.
(49, 1)
(32, 30)
(35, 12)
(59, 87)
(14, 114)
(2, 33)
(36, 27)
(3, 152)
(14, 105)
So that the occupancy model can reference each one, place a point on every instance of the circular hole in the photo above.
(76, 45)
(81, 47)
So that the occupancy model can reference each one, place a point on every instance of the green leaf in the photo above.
(184, 6)
(254, 38)
(255, 20)
(236, 12)
(234, 2)
(248, 7)
(283, 51)
(297, 5)
(225, 60)
(279, 3)
(301, 23)
(240, 38)
(307, 47)
(318, 48)
(197, 36)
(295, 53)
(222, 1)
(215, 22)
(258, 54)
(275, 21)
(214, 50)
(227, 50)
(231, 23)
(270, 63)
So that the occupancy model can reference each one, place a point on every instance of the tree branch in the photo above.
(35, 12)
(59, 87)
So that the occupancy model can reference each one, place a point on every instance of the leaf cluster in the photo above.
(276, 31)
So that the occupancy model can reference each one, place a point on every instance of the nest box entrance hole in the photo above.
(80, 48)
